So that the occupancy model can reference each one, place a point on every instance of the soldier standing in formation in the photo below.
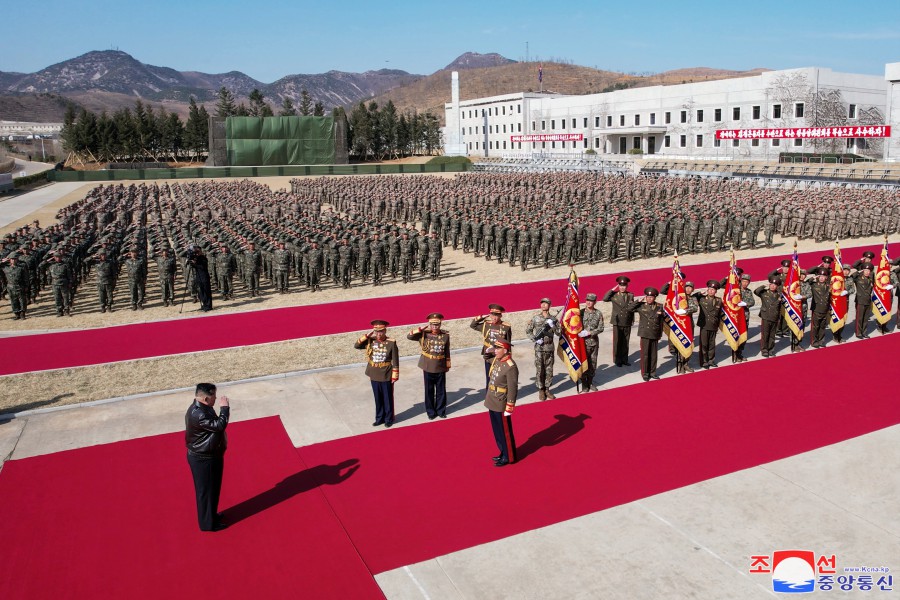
(492, 328)
(710, 316)
(747, 302)
(849, 288)
(434, 361)
(382, 368)
(106, 282)
(226, 265)
(592, 326)
(165, 270)
(282, 260)
(540, 330)
(769, 314)
(17, 286)
(252, 267)
(621, 319)
(61, 277)
(650, 329)
(863, 281)
(500, 400)
(821, 306)
(136, 268)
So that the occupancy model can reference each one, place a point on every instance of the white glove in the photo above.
(539, 342)
(681, 312)
(583, 333)
(844, 292)
(889, 286)
(507, 414)
(549, 322)
(742, 303)
(796, 296)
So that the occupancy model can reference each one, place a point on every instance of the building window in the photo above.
(573, 123)
(490, 145)
(596, 121)
(653, 118)
(585, 123)
(533, 125)
(490, 129)
(519, 110)
(609, 120)
(489, 112)
(756, 113)
(596, 142)
(798, 110)
(476, 129)
(700, 115)
(543, 125)
(668, 118)
(754, 142)
(519, 127)
(717, 115)
(667, 141)
(552, 124)
(504, 129)
(735, 143)
(553, 144)
(621, 120)
(470, 131)
(699, 141)
(470, 145)
(584, 143)
(477, 145)
(851, 114)
(736, 113)
(776, 142)
(504, 145)
(682, 142)
(504, 110)
(636, 141)
(798, 142)
(637, 120)
(520, 145)
(717, 143)
(776, 111)
(684, 116)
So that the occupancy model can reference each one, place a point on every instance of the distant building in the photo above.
(758, 117)
(25, 130)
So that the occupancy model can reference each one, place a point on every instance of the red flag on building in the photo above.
(571, 347)
(733, 324)
(678, 326)
(882, 291)
(791, 298)
(839, 300)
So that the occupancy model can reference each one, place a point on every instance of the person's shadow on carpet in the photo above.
(564, 428)
(304, 481)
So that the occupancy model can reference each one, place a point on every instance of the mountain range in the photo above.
(112, 79)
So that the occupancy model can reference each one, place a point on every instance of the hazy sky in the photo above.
(268, 40)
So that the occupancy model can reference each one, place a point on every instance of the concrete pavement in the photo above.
(693, 542)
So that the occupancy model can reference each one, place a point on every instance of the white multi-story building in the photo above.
(682, 120)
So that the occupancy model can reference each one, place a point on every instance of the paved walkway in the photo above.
(694, 542)
(15, 208)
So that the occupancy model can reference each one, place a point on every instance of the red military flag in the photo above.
(882, 294)
(791, 298)
(733, 324)
(571, 347)
(678, 323)
(839, 300)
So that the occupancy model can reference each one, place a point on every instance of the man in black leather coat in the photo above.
(206, 442)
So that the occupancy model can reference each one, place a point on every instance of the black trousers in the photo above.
(384, 401)
(503, 435)
(207, 473)
(620, 344)
(435, 393)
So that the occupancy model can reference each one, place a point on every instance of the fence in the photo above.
(282, 171)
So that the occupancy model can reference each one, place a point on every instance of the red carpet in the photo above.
(118, 521)
(41, 352)
(429, 490)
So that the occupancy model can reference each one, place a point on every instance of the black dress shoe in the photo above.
(432, 417)
(496, 458)
(654, 377)
(219, 527)
(388, 423)
(377, 423)
(646, 379)
(626, 363)
(501, 463)
(442, 415)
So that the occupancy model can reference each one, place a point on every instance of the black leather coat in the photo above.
(204, 431)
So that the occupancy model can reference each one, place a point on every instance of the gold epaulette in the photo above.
(504, 323)
(390, 340)
(511, 363)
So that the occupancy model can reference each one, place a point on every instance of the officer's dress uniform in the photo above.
(621, 320)
(769, 315)
(434, 361)
(709, 317)
(502, 390)
(821, 311)
(383, 369)
(650, 328)
(490, 333)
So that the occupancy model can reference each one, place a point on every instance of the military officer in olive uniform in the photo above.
(621, 319)
(708, 320)
(747, 301)
(821, 306)
(434, 362)
(592, 325)
(864, 281)
(769, 314)
(650, 328)
(383, 369)
(540, 330)
(492, 328)
(500, 400)
(849, 288)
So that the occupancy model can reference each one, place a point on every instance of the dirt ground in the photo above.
(68, 386)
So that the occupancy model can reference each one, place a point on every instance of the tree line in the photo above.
(142, 133)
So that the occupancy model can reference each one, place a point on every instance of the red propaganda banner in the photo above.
(571, 346)
(882, 291)
(839, 301)
(548, 137)
(862, 131)
(791, 298)
(734, 323)
(678, 324)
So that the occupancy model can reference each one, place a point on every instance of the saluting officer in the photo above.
(500, 400)
(621, 319)
(821, 306)
(864, 281)
(649, 330)
(708, 319)
(383, 368)
(434, 362)
(492, 328)
(769, 314)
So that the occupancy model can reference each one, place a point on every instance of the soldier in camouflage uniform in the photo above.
(17, 286)
(540, 330)
(165, 270)
(747, 301)
(435, 251)
(136, 269)
(106, 276)
(345, 261)
(377, 251)
(316, 259)
(769, 224)
(592, 325)
(281, 261)
(252, 265)
(226, 265)
(61, 278)
(523, 239)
